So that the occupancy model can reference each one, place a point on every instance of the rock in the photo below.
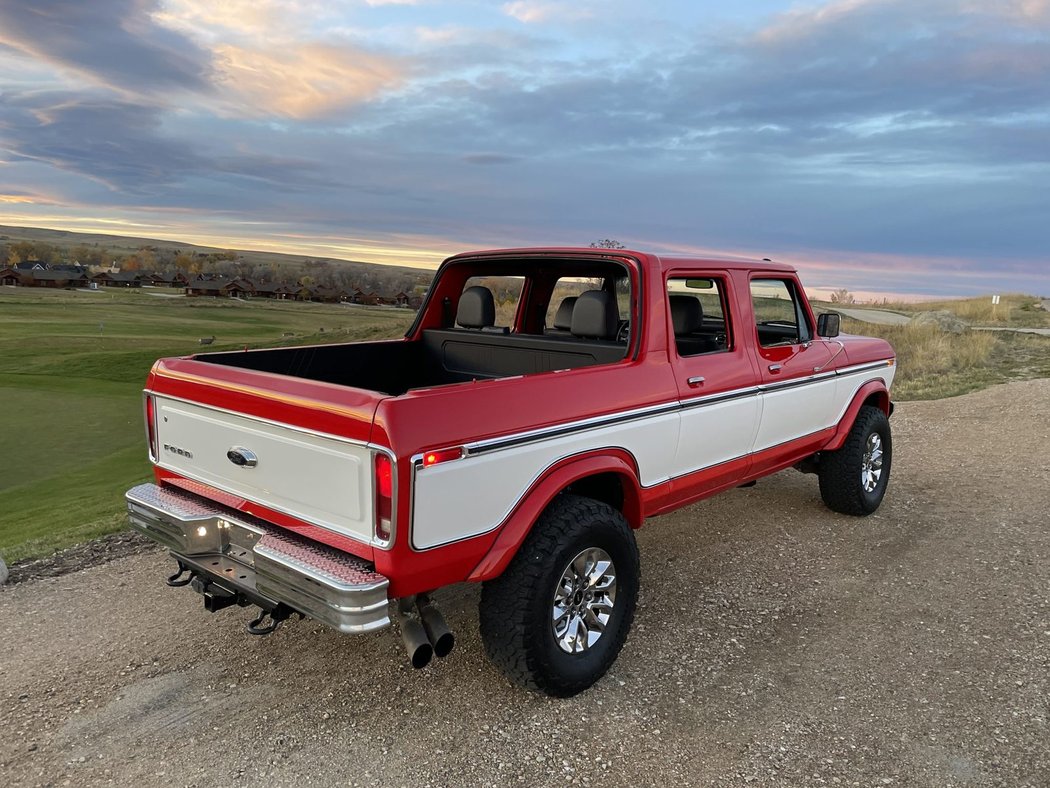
(3, 572)
(942, 319)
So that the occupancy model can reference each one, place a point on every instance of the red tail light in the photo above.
(151, 428)
(384, 470)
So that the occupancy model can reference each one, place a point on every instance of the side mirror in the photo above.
(828, 325)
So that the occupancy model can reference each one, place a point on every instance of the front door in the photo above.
(715, 376)
(798, 389)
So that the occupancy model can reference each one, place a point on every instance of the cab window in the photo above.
(779, 315)
(698, 315)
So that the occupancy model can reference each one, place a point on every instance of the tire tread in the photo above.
(839, 470)
(504, 614)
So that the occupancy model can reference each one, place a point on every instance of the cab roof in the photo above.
(647, 259)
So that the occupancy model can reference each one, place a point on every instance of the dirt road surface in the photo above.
(880, 316)
(775, 644)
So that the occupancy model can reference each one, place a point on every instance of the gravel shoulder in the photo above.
(775, 643)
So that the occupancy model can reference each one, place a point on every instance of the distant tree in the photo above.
(184, 262)
(147, 258)
(24, 250)
(607, 243)
(842, 296)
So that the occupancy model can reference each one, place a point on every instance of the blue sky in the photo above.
(885, 146)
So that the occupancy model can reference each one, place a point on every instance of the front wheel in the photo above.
(853, 478)
(557, 617)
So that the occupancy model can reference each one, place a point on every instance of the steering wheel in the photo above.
(623, 333)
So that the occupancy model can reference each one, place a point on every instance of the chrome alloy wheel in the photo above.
(584, 600)
(871, 465)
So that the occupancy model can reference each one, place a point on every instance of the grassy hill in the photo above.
(122, 245)
(72, 365)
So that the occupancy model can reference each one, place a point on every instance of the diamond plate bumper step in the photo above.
(261, 562)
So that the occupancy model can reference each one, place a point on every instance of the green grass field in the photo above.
(72, 366)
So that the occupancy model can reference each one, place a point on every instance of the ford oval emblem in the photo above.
(245, 458)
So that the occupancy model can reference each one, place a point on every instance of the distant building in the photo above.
(330, 295)
(119, 279)
(177, 279)
(53, 279)
(234, 288)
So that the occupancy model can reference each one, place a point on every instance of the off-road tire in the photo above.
(516, 607)
(840, 471)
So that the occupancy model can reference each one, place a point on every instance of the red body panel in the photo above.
(877, 393)
(453, 415)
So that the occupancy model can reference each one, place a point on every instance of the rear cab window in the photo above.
(506, 294)
(698, 314)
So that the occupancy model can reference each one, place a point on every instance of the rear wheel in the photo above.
(557, 617)
(853, 479)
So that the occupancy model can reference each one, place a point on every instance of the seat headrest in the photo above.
(595, 315)
(563, 317)
(687, 315)
(477, 308)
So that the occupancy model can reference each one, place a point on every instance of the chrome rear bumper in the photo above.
(263, 563)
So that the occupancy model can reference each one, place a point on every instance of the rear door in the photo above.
(798, 388)
(716, 380)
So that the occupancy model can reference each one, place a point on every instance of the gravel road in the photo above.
(880, 316)
(775, 644)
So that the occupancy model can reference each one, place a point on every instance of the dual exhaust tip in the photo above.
(424, 631)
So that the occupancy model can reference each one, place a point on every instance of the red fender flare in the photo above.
(555, 479)
(864, 393)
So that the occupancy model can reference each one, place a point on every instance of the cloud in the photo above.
(113, 141)
(124, 146)
(537, 11)
(301, 81)
(99, 40)
(490, 158)
(16, 197)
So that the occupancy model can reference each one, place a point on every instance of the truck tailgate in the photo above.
(320, 479)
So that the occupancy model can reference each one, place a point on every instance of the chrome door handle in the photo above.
(774, 367)
(697, 381)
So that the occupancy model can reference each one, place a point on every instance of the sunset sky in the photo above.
(885, 146)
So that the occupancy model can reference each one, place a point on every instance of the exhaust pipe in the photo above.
(440, 636)
(415, 637)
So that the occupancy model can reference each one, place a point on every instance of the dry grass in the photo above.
(932, 363)
(1012, 310)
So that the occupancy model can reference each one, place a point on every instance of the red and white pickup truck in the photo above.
(543, 404)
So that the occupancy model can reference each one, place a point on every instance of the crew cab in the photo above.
(543, 405)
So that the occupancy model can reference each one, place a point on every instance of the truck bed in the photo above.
(441, 357)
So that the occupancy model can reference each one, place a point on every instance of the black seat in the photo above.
(687, 317)
(477, 308)
(595, 316)
(563, 317)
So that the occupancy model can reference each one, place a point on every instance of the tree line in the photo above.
(226, 264)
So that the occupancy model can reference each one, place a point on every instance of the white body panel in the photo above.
(467, 497)
(793, 412)
(319, 479)
(713, 434)
(473, 495)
